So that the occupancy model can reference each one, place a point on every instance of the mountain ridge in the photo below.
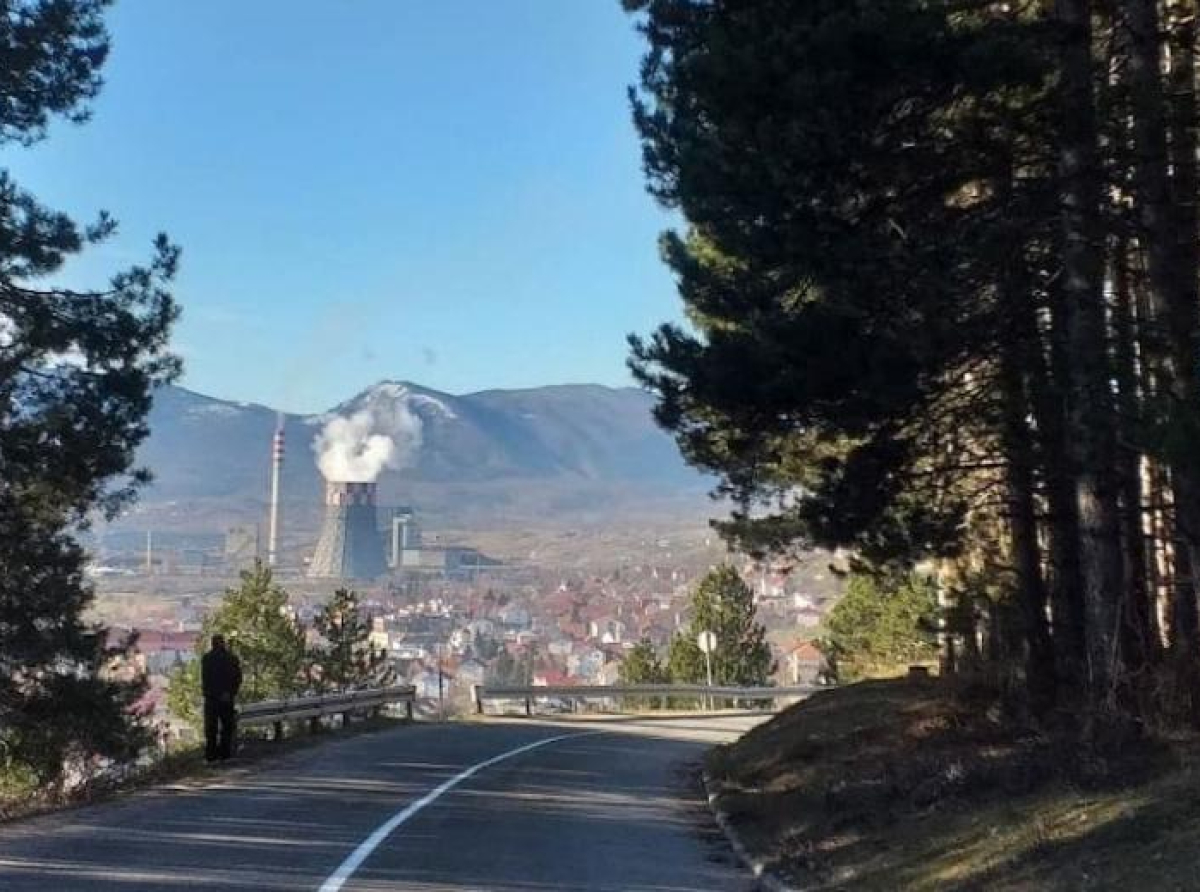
(559, 445)
(489, 391)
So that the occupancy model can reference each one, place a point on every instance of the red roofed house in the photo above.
(804, 663)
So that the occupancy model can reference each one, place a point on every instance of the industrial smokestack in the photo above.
(273, 519)
(350, 546)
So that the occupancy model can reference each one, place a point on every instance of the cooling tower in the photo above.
(350, 546)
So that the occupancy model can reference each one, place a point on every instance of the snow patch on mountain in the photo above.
(216, 410)
(392, 390)
(421, 399)
(398, 391)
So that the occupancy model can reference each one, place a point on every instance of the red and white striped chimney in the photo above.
(273, 520)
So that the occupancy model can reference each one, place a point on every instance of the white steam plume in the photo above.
(356, 448)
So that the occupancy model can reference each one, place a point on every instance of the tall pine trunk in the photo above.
(1047, 384)
(1017, 439)
(1185, 324)
(1140, 636)
(1092, 432)
(1169, 233)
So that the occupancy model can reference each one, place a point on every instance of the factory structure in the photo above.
(358, 540)
(273, 518)
(353, 544)
(349, 546)
(407, 553)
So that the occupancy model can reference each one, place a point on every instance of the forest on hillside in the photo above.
(940, 266)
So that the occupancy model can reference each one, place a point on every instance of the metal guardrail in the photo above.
(276, 712)
(646, 691)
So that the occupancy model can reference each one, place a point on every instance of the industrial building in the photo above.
(350, 546)
(409, 554)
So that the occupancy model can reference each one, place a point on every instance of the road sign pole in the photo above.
(707, 642)
(708, 673)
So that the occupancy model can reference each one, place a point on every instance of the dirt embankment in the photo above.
(914, 785)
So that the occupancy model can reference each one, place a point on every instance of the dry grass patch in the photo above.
(918, 785)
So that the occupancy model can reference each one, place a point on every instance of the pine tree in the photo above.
(857, 370)
(724, 605)
(939, 265)
(881, 624)
(484, 647)
(1090, 406)
(685, 660)
(77, 371)
(510, 671)
(642, 666)
(344, 658)
(1164, 184)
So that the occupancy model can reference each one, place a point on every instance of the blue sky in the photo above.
(446, 192)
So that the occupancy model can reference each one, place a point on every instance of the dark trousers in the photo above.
(219, 721)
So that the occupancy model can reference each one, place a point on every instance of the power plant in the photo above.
(353, 544)
(350, 546)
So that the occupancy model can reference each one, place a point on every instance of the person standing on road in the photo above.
(220, 677)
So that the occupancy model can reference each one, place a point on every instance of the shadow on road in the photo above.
(603, 813)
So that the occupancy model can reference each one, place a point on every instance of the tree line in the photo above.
(279, 656)
(940, 267)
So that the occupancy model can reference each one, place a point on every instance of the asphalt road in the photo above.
(400, 810)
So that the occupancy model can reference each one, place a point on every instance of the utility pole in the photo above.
(441, 686)
(149, 552)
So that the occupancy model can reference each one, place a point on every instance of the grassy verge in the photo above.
(19, 799)
(908, 785)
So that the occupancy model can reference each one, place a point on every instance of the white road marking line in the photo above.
(354, 860)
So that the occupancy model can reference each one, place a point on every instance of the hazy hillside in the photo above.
(553, 448)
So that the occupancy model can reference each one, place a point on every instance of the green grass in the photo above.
(900, 785)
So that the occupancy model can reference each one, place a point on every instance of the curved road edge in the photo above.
(756, 865)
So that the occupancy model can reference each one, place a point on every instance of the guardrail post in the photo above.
(477, 698)
(529, 706)
(408, 709)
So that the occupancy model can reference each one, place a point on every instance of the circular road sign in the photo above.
(707, 642)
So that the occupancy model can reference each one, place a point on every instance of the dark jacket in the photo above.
(220, 675)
